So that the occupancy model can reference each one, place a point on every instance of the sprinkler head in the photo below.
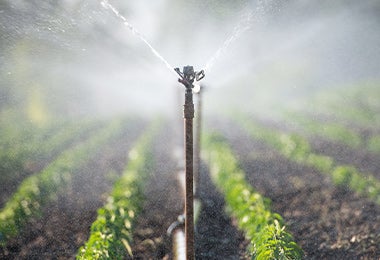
(189, 75)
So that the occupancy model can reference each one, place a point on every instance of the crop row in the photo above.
(357, 103)
(111, 232)
(336, 132)
(39, 189)
(18, 152)
(264, 229)
(297, 148)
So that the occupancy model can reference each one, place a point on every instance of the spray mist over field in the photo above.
(78, 58)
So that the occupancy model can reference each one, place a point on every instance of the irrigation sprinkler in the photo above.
(187, 78)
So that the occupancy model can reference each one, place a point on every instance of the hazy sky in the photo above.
(259, 47)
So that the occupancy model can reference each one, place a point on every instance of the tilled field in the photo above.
(326, 221)
(215, 236)
(163, 204)
(65, 224)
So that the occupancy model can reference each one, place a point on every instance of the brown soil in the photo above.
(163, 204)
(65, 224)
(365, 161)
(215, 236)
(32, 166)
(328, 222)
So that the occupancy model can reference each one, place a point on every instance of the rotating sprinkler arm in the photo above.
(199, 75)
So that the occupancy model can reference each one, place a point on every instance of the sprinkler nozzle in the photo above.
(199, 75)
(189, 75)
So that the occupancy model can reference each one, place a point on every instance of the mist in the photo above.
(77, 58)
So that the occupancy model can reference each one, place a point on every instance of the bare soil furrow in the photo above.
(328, 222)
(360, 158)
(163, 204)
(65, 224)
(216, 237)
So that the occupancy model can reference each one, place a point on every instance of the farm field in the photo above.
(123, 122)
(60, 225)
(326, 220)
(318, 195)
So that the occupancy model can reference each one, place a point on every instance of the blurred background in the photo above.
(73, 59)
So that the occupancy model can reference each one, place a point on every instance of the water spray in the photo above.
(187, 78)
(137, 33)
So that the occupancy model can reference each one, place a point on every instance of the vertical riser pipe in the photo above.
(188, 124)
(179, 245)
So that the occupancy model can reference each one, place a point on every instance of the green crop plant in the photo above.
(331, 131)
(358, 102)
(296, 148)
(35, 191)
(18, 152)
(374, 144)
(66, 135)
(348, 176)
(264, 229)
(111, 232)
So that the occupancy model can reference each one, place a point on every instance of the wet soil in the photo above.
(326, 221)
(34, 165)
(163, 204)
(215, 236)
(65, 224)
(365, 161)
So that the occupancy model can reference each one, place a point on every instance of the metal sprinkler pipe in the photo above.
(187, 78)
(197, 146)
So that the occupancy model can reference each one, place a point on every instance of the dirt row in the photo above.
(35, 164)
(365, 161)
(163, 204)
(326, 221)
(215, 235)
(65, 224)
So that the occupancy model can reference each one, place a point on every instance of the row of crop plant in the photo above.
(37, 190)
(17, 152)
(358, 104)
(111, 232)
(18, 141)
(296, 148)
(264, 229)
(336, 132)
(349, 114)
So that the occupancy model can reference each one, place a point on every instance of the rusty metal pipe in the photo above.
(187, 77)
(189, 191)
